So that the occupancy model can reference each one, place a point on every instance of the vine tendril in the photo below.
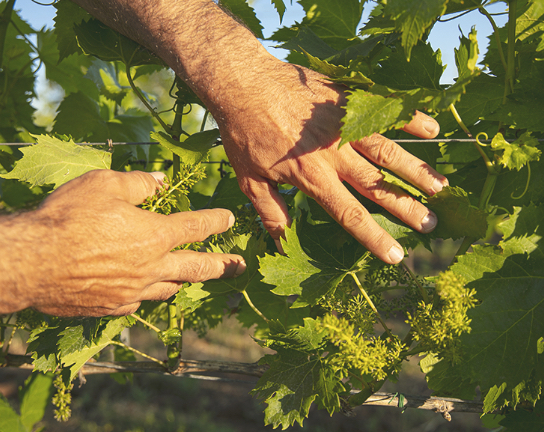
(526, 185)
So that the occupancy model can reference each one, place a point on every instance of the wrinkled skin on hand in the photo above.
(285, 127)
(106, 255)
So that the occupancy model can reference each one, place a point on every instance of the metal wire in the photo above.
(400, 141)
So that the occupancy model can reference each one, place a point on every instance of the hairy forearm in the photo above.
(204, 46)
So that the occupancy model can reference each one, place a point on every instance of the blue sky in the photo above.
(444, 36)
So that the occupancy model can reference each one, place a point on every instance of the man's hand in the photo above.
(279, 122)
(98, 254)
(285, 127)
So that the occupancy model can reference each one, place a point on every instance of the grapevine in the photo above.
(326, 306)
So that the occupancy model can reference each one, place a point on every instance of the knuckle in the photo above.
(200, 270)
(386, 154)
(382, 191)
(353, 217)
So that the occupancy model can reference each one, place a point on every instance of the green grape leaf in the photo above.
(457, 218)
(75, 360)
(68, 15)
(296, 378)
(413, 18)
(339, 74)
(77, 335)
(193, 149)
(297, 273)
(280, 7)
(9, 419)
(79, 116)
(517, 154)
(424, 69)
(35, 396)
(307, 41)
(503, 346)
(334, 22)
(524, 420)
(370, 113)
(52, 161)
(520, 225)
(394, 180)
(466, 57)
(227, 195)
(99, 40)
(245, 12)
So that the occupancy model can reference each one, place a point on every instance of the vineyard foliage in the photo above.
(324, 306)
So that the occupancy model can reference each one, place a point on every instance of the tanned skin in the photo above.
(279, 124)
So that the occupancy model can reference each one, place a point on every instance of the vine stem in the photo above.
(148, 324)
(252, 306)
(144, 101)
(483, 11)
(135, 351)
(371, 304)
(422, 290)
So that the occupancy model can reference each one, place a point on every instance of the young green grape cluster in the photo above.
(354, 308)
(374, 356)
(172, 197)
(30, 319)
(62, 399)
(438, 325)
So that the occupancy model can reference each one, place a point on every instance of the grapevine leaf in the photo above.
(334, 22)
(523, 420)
(249, 247)
(280, 7)
(79, 116)
(227, 194)
(368, 113)
(456, 216)
(297, 273)
(413, 18)
(77, 335)
(520, 225)
(99, 40)
(9, 419)
(192, 150)
(35, 396)
(52, 161)
(296, 378)
(68, 15)
(306, 40)
(394, 180)
(68, 72)
(466, 56)
(512, 184)
(245, 12)
(77, 359)
(503, 346)
(517, 154)
(339, 74)
(424, 69)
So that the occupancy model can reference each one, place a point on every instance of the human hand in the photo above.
(284, 128)
(106, 255)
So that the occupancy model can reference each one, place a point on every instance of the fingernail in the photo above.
(396, 254)
(431, 126)
(438, 185)
(240, 269)
(428, 223)
(231, 220)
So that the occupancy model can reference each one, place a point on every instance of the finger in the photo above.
(134, 186)
(269, 204)
(390, 155)
(191, 266)
(369, 181)
(348, 212)
(422, 126)
(194, 226)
